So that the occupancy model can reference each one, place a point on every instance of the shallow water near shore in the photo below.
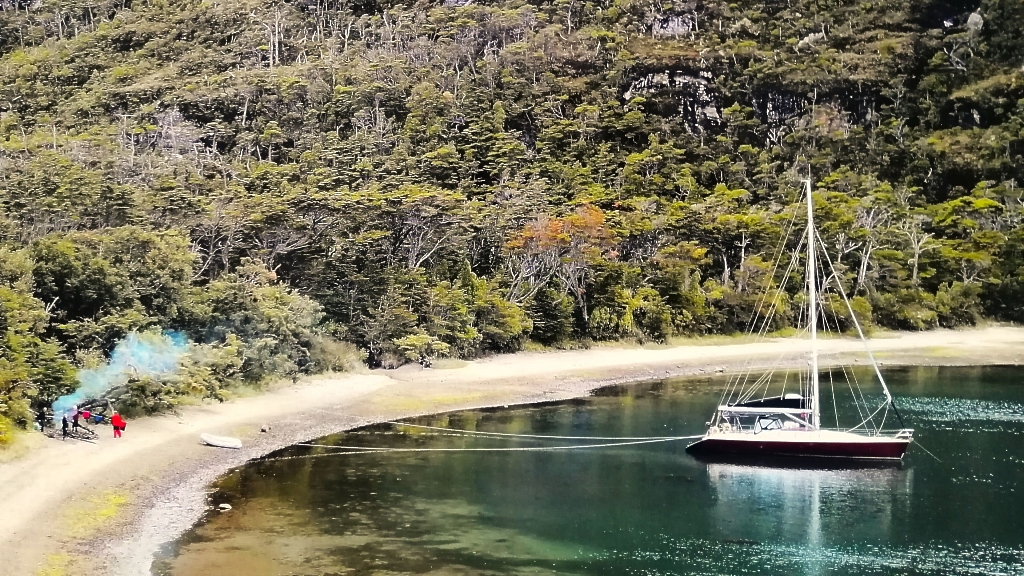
(645, 509)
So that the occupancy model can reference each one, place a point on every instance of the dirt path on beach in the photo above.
(73, 507)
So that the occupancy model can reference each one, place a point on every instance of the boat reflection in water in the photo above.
(808, 511)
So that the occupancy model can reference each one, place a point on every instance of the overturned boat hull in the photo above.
(221, 441)
(802, 444)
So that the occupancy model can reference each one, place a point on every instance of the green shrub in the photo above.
(906, 310)
(421, 348)
(7, 431)
(958, 304)
(330, 355)
(552, 317)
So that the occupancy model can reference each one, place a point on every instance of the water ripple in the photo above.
(699, 556)
(963, 414)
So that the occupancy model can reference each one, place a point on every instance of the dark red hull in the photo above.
(877, 449)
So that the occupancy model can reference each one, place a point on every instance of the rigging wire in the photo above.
(851, 382)
(832, 387)
(870, 416)
(738, 391)
(867, 348)
(851, 376)
(825, 311)
(824, 314)
(785, 380)
(747, 394)
(743, 393)
(779, 251)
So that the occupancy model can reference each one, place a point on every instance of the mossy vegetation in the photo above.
(89, 516)
(55, 565)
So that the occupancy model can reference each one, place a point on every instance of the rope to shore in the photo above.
(515, 449)
(304, 456)
(348, 450)
(458, 431)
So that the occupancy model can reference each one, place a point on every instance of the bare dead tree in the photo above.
(871, 219)
(529, 272)
(918, 242)
(276, 243)
(215, 240)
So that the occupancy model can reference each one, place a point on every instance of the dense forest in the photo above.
(300, 185)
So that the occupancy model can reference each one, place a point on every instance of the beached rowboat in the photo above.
(221, 441)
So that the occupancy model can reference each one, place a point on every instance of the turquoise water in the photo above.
(644, 510)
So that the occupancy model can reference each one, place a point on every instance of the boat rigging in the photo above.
(790, 424)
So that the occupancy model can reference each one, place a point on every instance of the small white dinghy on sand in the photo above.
(221, 441)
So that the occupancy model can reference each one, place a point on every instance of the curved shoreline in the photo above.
(163, 471)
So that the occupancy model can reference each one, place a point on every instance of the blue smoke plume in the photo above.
(148, 354)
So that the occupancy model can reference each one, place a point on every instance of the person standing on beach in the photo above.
(64, 427)
(74, 421)
(118, 423)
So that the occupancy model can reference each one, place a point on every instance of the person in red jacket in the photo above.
(118, 423)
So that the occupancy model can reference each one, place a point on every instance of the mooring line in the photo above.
(276, 458)
(508, 435)
(348, 450)
(926, 451)
(515, 449)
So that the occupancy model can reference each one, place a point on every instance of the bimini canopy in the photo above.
(791, 404)
(787, 402)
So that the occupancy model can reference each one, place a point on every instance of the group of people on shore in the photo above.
(72, 425)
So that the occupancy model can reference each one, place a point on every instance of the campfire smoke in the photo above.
(137, 355)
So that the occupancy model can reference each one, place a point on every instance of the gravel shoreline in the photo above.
(165, 472)
(180, 501)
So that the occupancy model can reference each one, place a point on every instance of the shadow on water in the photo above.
(799, 463)
(644, 509)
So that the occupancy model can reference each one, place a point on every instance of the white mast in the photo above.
(812, 294)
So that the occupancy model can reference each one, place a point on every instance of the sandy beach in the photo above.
(75, 507)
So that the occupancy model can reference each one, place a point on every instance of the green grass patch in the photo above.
(89, 517)
(17, 442)
(55, 565)
(944, 352)
(7, 432)
(711, 340)
(533, 346)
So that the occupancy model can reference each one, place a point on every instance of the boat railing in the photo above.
(744, 420)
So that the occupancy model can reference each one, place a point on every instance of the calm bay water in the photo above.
(645, 509)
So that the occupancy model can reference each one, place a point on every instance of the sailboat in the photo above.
(750, 422)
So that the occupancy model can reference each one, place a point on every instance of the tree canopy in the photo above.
(451, 177)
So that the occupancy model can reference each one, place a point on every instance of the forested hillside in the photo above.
(284, 180)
